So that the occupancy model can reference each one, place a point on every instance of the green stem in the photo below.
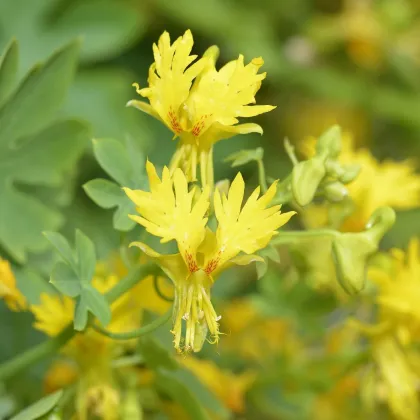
(130, 280)
(290, 150)
(261, 175)
(24, 360)
(159, 292)
(135, 333)
(29, 357)
(297, 236)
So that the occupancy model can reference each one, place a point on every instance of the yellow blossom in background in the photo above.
(89, 355)
(387, 183)
(255, 337)
(198, 103)
(230, 388)
(395, 381)
(399, 292)
(60, 374)
(371, 31)
(8, 290)
(173, 212)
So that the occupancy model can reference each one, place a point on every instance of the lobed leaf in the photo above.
(126, 166)
(38, 97)
(85, 257)
(65, 280)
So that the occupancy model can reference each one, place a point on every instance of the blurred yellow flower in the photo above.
(396, 382)
(230, 388)
(172, 212)
(91, 353)
(399, 292)
(60, 374)
(8, 290)
(386, 183)
(203, 112)
(255, 337)
(371, 31)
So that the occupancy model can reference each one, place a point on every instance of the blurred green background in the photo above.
(355, 63)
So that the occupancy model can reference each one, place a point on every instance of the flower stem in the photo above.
(159, 292)
(135, 333)
(261, 176)
(297, 236)
(24, 360)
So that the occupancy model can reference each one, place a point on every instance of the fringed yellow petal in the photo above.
(172, 212)
(244, 230)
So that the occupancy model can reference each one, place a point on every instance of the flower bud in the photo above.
(351, 172)
(335, 191)
(306, 177)
(329, 143)
(351, 251)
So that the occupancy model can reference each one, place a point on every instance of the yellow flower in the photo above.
(386, 183)
(399, 292)
(172, 212)
(198, 103)
(396, 383)
(227, 386)
(60, 375)
(255, 337)
(8, 290)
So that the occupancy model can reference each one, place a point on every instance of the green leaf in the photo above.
(245, 156)
(61, 244)
(33, 104)
(81, 315)
(43, 158)
(65, 280)
(106, 26)
(126, 166)
(40, 408)
(32, 285)
(8, 70)
(90, 300)
(174, 387)
(104, 193)
(113, 158)
(86, 257)
(107, 194)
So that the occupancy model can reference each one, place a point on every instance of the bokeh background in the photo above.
(354, 62)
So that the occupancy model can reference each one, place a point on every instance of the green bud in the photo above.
(306, 177)
(350, 173)
(329, 143)
(335, 191)
(351, 251)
